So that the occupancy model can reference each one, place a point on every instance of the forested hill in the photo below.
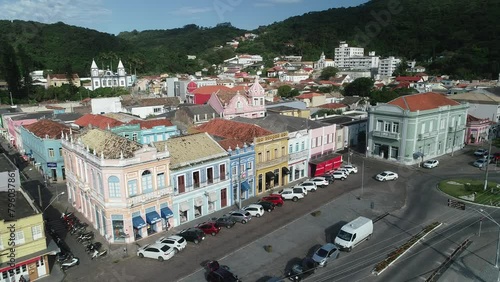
(459, 37)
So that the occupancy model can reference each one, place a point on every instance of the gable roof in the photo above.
(332, 106)
(408, 78)
(112, 146)
(201, 110)
(150, 123)
(209, 89)
(46, 128)
(149, 102)
(279, 123)
(191, 149)
(423, 101)
(233, 130)
(100, 121)
(308, 95)
(478, 96)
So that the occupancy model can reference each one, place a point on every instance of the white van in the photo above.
(353, 233)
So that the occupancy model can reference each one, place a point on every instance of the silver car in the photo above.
(325, 253)
(240, 216)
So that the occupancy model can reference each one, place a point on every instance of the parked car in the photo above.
(157, 251)
(339, 174)
(480, 163)
(386, 175)
(209, 228)
(255, 210)
(310, 186)
(174, 241)
(275, 199)
(223, 221)
(300, 189)
(193, 234)
(268, 206)
(320, 181)
(329, 178)
(351, 168)
(480, 152)
(240, 216)
(220, 273)
(430, 164)
(291, 194)
(301, 271)
(345, 170)
(326, 253)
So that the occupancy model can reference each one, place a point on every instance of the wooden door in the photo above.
(223, 197)
(181, 183)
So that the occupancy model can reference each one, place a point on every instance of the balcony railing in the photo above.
(457, 128)
(272, 162)
(388, 135)
(298, 156)
(426, 135)
(200, 185)
(148, 197)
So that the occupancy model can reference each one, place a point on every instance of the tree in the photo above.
(328, 73)
(401, 69)
(10, 69)
(284, 91)
(359, 87)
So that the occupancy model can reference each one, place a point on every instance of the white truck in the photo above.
(353, 233)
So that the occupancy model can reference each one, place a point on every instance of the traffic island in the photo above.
(472, 190)
(399, 252)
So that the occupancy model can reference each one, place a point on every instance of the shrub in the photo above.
(316, 213)
(268, 248)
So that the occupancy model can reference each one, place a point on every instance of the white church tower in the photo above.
(108, 78)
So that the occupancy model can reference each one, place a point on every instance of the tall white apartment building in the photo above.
(388, 65)
(343, 53)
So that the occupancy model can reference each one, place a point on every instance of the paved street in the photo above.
(412, 202)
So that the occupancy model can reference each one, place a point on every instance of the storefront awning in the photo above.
(166, 212)
(152, 217)
(212, 196)
(285, 170)
(184, 207)
(269, 176)
(198, 202)
(245, 186)
(138, 222)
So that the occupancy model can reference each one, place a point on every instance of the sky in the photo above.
(113, 16)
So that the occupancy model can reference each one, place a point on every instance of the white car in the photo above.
(430, 164)
(291, 194)
(345, 170)
(386, 175)
(255, 210)
(339, 174)
(157, 251)
(351, 168)
(174, 241)
(480, 152)
(310, 186)
(319, 181)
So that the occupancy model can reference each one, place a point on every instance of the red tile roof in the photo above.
(46, 128)
(97, 121)
(333, 106)
(208, 90)
(150, 123)
(308, 95)
(423, 101)
(232, 131)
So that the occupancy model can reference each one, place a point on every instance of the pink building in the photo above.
(476, 131)
(121, 187)
(249, 104)
(322, 150)
(14, 124)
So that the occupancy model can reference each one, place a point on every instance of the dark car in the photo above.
(268, 206)
(194, 235)
(220, 273)
(209, 228)
(275, 199)
(300, 271)
(328, 178)
(223, 221)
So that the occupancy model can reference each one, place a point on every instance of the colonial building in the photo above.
(58, 80)
(413, 128)
(249, 104)
(108, 78)
(477, 130)
(199, 176)
(323, 62)
(42, 146)
(119, 186)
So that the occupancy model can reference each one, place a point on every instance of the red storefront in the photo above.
(325, 163)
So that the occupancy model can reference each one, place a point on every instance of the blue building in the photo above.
(42, 146)
(198, 174)
(242, 168)
(147, 131)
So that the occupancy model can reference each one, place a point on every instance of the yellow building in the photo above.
(271, 162)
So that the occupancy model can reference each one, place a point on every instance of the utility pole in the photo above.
(40, 197)
(487, 162)
(11, 100)
(454, 137)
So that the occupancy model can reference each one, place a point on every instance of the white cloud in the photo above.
(188, 10)
(75, 12)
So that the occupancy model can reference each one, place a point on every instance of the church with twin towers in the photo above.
(107, 78)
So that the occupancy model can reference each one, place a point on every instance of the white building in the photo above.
(323, 62)
(106, 105)
(294, 77)
(388, 65)
(107, 78)
(344, 52)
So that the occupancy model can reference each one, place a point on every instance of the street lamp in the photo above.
(490, 218)
(55, 198)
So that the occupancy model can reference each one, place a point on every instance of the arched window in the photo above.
(238, 105)
(147, 181)
(114, 187)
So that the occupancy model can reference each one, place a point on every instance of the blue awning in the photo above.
(166, 212)
(138, 222)
(245, 186)
(152, 217)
